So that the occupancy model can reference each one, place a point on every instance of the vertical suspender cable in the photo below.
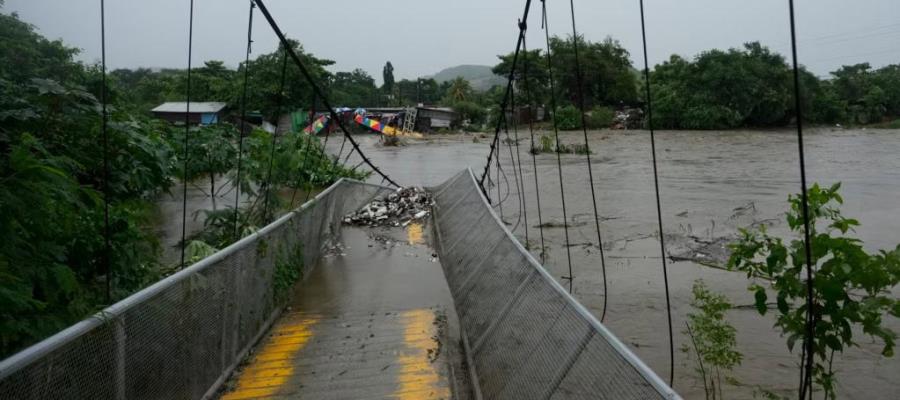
(519, 161)
(187, 130)
(808, 348)
(517, 168)
(237, 186)
(306, 143)
(312, 141)
(275, 137)
(531, 115)
(662, 241)
(103, 127)
(500, 198)
(587, 148)
(512, 159)
(562, 191)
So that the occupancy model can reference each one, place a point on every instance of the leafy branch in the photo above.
(851, 286)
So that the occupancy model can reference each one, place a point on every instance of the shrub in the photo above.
(712, 337)
(568, 118)
(470, 111)
(600, 117)
(852, 287)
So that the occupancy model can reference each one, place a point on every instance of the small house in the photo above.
(431, 118)
(199, 113)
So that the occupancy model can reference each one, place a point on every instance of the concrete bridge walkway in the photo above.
(373, 320)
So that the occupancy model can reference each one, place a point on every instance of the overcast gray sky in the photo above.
(421, 37)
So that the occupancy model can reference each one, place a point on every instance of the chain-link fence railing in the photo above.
(181, 337)
(525, 336)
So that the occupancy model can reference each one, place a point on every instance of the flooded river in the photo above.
(711, 184)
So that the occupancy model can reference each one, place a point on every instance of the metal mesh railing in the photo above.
(181, 337)
(525, 336)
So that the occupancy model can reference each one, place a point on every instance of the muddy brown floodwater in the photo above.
(711, 184)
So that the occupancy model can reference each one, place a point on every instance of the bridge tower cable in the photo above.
(662, 241)
(506, 95)
(278, 104)
(531, 115)
(580, 80)
(243, 122)
(318, 91)
(187, 130)
(104, 132)
(562, 192)
(808, 345)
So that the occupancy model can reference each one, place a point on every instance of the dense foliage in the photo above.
(851, 286)
(754, 87)
(51, 200)
(747, 87)
(53, 186)
(608, 76)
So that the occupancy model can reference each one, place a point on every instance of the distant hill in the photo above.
(480, 76)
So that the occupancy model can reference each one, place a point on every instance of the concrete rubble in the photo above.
(396, 209)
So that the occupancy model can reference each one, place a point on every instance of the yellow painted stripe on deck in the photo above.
(413, 383)
(277, 355)
(414, 233)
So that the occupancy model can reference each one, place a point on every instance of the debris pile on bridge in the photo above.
(396, 209)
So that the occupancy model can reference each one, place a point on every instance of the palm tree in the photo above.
(460, 89)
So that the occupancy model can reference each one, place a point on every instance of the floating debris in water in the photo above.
(396, 209)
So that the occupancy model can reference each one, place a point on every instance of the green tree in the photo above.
(459, 90)
(712, 338)
(607, 74)
(851, 286)
(387, 75)
(531, 75)
(51, 204)
(353, 89)
(265, 78)
(723, 89)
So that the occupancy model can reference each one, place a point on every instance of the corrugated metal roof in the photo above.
(440, 109)
(198, 107)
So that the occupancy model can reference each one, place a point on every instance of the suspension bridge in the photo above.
(474, 314)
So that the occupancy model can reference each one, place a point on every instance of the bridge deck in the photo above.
(374, 320)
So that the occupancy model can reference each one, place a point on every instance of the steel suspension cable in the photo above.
(278, 104)
(305, 144)
(517, 162)
(531, 115)
(187, 130)
(512, 158)
(523, 25)
(562, 191)
(662, 241)
(500, 200)
(808, 344)
(107, 247)
(312, 141)
(317, 90)
(237, 187)
(580, 80)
